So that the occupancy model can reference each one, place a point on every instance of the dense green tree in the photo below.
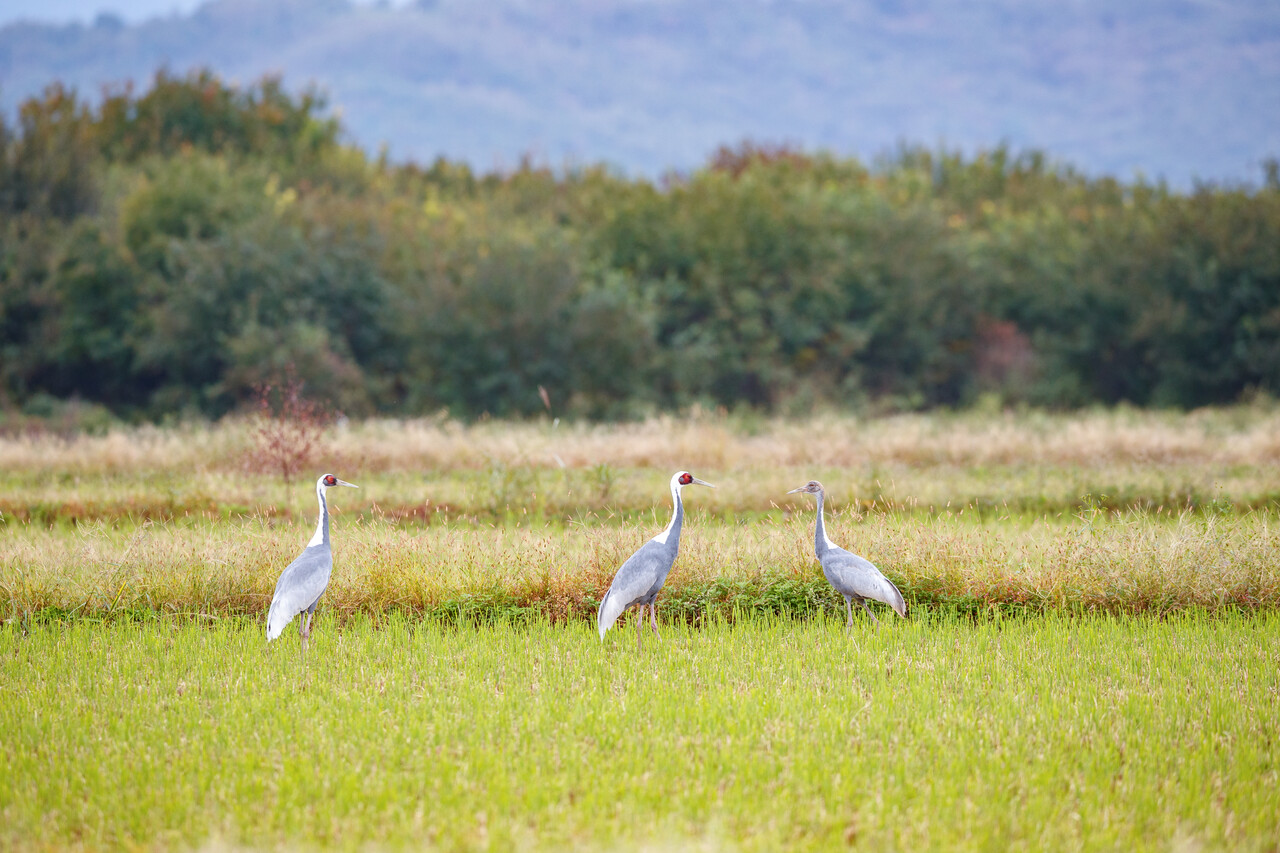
(234, 266)
(171, 251)
(49, 164)
(90, 333)
(26, 304)
(1211, 319)
(200, 112)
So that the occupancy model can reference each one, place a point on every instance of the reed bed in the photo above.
(1228, 437)
(433, 470)
(1097, 561)
(1119, 511)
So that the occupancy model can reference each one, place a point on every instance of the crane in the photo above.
(851, 575)
(304, 580)
(644, 572)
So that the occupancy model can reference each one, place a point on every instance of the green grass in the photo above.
(1053, 732)
(517, 494)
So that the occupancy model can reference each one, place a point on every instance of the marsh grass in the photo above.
(424, 470)
(941, 733)
(1116, 511)
(1243, 435)
(1098, 561)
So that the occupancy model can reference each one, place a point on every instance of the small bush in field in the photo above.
(288, 429)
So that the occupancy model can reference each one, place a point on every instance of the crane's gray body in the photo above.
(300, 587)
(305, 579)
(854, 577)
(643, 574)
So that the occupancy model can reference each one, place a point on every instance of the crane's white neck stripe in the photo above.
(675, 513)
(822, 524)
(318, 538)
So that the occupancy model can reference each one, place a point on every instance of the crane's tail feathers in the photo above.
(277, 620)
(607, 614)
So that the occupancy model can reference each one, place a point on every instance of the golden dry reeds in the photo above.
(1131, 563)
(1238, 436)
(427, 469)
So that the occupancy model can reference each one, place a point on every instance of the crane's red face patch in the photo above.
(686, 478)
(330, 480)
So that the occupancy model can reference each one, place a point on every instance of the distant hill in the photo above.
(1181, 90)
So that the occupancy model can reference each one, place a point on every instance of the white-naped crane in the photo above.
(304, 580)
(644, 572)
(853, 577)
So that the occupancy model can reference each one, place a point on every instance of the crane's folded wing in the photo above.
(300, 585)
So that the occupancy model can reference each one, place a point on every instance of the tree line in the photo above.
(165, 254)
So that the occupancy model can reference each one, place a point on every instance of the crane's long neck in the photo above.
(821, 542)
(322, 526)
(672, 534)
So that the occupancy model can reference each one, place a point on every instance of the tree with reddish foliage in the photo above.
(288, 429)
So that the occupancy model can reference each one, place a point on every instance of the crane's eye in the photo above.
(686, 478)
(330, 480)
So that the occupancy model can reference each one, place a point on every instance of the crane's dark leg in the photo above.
(863, 602)
(304, 626)
(653, 617)
(848, 606)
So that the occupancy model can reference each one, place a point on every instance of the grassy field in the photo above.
(1090, 661)
(1057, 732)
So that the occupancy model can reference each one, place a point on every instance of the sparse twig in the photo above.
(288, 428)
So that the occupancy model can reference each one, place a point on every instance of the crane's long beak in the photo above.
(801, 489)
(702, 483)
(345, 483)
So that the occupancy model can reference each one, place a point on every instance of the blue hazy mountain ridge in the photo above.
(1178, 90)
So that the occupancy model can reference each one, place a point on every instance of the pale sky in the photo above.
(84, 11)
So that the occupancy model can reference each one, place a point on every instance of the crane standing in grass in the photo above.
(304, 580)
(644, 572)
(851, 575)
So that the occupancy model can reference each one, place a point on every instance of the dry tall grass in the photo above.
(1034, 461)
(1118, 510)
(1238, 436)
(1134, 563)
